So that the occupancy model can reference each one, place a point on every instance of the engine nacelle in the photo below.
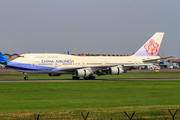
(82, 73)
(116, 70)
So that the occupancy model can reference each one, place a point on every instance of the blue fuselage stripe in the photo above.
(28, 67)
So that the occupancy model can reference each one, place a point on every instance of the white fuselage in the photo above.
(70, 61)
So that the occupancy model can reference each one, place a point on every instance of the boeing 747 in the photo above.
(85, 66)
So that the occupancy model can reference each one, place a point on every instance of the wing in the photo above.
(105, 67)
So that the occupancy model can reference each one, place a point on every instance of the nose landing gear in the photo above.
(25, 76)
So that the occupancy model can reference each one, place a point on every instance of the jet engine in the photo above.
(116, 70)
(82, 73)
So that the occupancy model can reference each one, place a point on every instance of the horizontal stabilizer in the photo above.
(155, 60)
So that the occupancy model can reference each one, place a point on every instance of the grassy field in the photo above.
(72, 97)
(98, 98)
(125, 75)
(90, 95)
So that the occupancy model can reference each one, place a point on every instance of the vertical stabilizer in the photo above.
(3, 59)
(151, 47)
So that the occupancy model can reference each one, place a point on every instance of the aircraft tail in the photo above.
(3, 59)
(151, 47)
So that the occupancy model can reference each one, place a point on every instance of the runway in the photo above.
(11, 79)
(97, 80)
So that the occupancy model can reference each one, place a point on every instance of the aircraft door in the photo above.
(104, 63)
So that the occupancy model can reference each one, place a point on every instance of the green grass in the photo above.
(98, 98)
(34, 97)
(125, 75)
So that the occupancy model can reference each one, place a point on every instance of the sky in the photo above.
(88, 26)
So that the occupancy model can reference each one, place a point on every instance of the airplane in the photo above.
(85, 66)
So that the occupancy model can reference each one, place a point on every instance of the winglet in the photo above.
(3, 59)
(151, 47)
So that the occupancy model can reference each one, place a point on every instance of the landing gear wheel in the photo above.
(26, 78)
(86, 78)
(75, 78)
(89, 78)
(93, 77)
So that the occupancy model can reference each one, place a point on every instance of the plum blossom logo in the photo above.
(151, 47)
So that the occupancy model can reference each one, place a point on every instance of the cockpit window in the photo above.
(21, 56)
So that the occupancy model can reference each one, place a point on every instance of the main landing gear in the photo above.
(89, 78)
(75, 78)
(85, 78)
(25, 76)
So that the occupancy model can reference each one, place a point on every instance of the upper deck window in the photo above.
(52, 56)
(33, 57)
